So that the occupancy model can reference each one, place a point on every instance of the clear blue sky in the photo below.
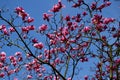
(36, 8)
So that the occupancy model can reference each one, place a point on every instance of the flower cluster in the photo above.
(57, 7)
(38, 45)
(25, 17)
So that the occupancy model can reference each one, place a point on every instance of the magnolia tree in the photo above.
(56, 50)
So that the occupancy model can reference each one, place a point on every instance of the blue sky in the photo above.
(36, 8)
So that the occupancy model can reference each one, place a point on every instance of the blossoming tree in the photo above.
(55, 50)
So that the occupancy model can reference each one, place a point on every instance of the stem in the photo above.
(67, 65)
(111, 63)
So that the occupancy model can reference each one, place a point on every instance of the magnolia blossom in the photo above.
(38, 45)
(86, 29)
(43, 27)
(2, 27)
(21, 12)
(18, 53)
(2, 74)
(57, 7)
(34, 40)
(46, 16)
(29, 76)
(2, 56)
(31, 27)
(86, 77)
(11, 29)
(29, 20)
(108, 20)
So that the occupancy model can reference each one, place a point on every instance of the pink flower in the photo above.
(2, 56)
(43, 27)
(86, 29)
(67, 18)
(29, 20)
(108, 20)
(65, 31)
(2, 27)
(84, 13)
(29, 76)
(57, 7)
(86, 77)
(11, 29)
(2, 74)
(69, 79)
(101, 7)
(18, 53)
(108, 3)
(38, 45)
(20, 11)
(34, 40)
(46, 16)
(11, 72)
(117, 61)
(76, 5)
(5, 31)
(25, 29)
(31, 27)
(15, 78)
(93, 6)
(57, 60)
(40, 75)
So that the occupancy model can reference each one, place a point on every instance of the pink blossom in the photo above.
(43, 27)
(2, 56)
(31, 27)
(34, 40)
(46, 16)
(84, 13)
(101, 7)
(29, 76)
(5, 68)
(5, 31)
(38, 45)
(67, 18)
(1, 64)
(57, 7)
(96, 19)
(76, 5)
(93, 6)
(86, 77)
(20, 11)
(108, 3)
(15, 78)
(2, 74)
(117, 61)
(25, 29)
(10, 72)
(69, 79)
(29, 20)
(57, 60)
(51, 36)
(53, 42)
(2, 27)
(65, 31)
(11, 29)
(40, 75)
(108, 20)
(18, 53)
(86, 29)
